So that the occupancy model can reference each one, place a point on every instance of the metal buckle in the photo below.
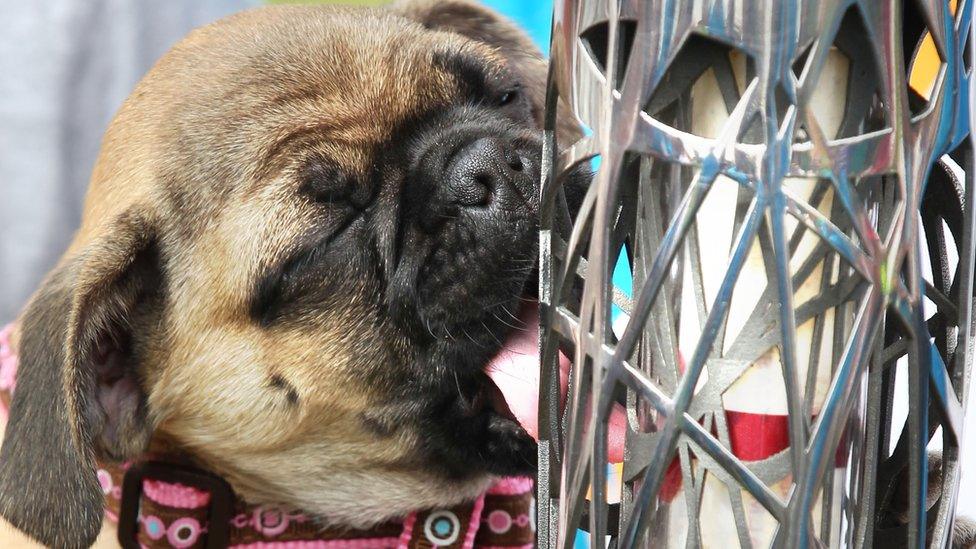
(219, 512)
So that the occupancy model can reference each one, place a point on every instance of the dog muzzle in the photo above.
(164, 501)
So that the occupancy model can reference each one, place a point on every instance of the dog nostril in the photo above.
(484, 183)
(515, 162)
(512, 159)
(475, 193)
(483, 168)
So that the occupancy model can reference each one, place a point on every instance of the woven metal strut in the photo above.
(790, 191)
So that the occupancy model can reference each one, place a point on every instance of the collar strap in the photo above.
(161, 504)
(166, 503)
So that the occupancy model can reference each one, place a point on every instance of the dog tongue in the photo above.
(515, 370)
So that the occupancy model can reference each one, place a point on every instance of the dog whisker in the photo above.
(500, 344)
(496, 305)
(499, 319)
(473, 340)
(509, 313)
(457, 383)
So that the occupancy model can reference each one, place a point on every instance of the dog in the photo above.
(308, 231)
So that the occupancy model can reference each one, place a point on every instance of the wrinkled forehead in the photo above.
(345, 81)
(206, 119)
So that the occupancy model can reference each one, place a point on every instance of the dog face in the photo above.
(302, 241)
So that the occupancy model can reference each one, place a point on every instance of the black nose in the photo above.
(485, 168)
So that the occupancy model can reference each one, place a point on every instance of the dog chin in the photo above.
(374, 497)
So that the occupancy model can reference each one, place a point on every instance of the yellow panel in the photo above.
(926, 67)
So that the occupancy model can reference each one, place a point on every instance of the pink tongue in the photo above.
(515, 370)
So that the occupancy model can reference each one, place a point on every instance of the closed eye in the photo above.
(287, 280)
(324, 182)
(509, 96)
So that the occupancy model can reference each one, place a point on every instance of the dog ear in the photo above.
(78, 394)
(963, 533)
(475, 21)
(471, 19)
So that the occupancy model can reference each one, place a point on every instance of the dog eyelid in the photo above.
(323, 181)
(279, 286)
(508, 96)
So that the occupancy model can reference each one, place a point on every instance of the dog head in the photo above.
(303, 237)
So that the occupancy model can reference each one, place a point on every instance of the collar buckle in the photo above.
(218, 512)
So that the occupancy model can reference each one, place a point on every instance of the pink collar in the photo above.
(166, 504)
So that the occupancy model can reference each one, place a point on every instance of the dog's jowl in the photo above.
(309, 233)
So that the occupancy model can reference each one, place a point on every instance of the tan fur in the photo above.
(12, 537)
(207, 147)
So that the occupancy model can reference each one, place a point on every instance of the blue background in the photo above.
(535, 17)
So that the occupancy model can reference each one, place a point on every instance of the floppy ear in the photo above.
(78, 394)
(963, 533)
(474, 21)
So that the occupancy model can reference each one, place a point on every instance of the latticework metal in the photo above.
(789, 189)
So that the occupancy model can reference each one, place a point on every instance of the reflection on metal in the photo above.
(788, 193)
